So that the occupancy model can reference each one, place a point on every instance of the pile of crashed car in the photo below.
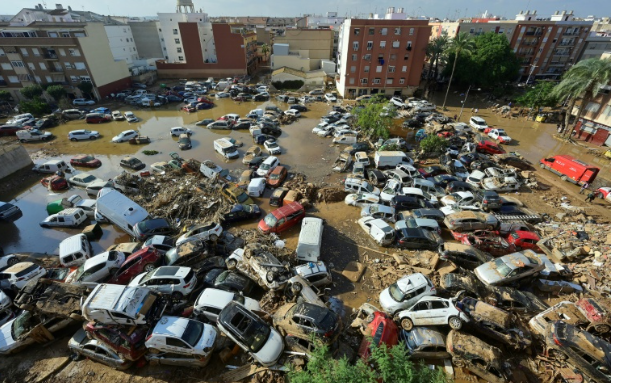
(489, 284)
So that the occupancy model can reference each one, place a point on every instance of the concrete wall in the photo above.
(295, 62)
(13, 157)
(146, 39)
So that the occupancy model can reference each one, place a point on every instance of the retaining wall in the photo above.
(13, 157)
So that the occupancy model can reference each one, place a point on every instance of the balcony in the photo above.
(50, 56)
(3, 83)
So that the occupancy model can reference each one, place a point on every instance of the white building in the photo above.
(122, 43)
(172, 42)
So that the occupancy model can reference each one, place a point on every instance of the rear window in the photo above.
(27, 271)
(189, 276)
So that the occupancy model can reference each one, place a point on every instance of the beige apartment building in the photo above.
(302, 49)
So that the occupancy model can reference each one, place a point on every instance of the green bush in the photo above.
(433, 143)
(288, 84)
(36, 107)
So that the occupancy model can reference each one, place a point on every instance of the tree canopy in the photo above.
(539, 96)
(56, 91)
(32, 92)
(371, 121)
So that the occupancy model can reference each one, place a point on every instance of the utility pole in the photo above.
(463, 103)
(527, 82)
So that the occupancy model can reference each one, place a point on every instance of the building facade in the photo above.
(381, 56)
(147, 40)
(595, 124)
(63, 53)
(302, 49)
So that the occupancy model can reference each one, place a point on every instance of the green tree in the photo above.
(539, 96)
(435, 51)
(583, 80)
(56, 91)
(5, 95)
(494, 61)
(392, 365)
(371, 121)
(86, 87)
(463, 45)
(32, 92)
(37, 107)
(433, 144)
(265, 50)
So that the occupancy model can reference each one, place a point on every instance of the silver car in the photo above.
(510, 268)
(97, 351)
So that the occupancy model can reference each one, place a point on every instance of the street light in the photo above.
(527, 82)
(463, 102)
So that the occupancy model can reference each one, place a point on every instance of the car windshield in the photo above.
(257, 335)
(20, 325)
(230, 149)
(274, 177)
(502, 268)
(88, 158)
(265, 166)
(271, 145)
(396, 293)
(270, 220)
(87, 132)
(193, 332)
(148, 275)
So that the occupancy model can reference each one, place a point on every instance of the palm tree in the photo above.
(434, 50)
(265, 50)
(461, 44)
(583, 81)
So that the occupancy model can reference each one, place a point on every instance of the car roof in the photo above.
(411, 282)
(16, 268)
(211, 296)
(171, 326)
(171, 271)
(287, 209)
(97, 259)
(413, 232)
(424, 336)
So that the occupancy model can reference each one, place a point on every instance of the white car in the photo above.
(125, 136)
(160, 167)
(478, 123)
(178, 130)
(501, 184)
(267, 165)
(262, 88)
(272, 147)
(432, 311)
(405, 292)
(210, 303)
(460, 199)
(130, 117)
(162, 243)
(8, 260)
(179, 281)
(376, 210)
(180, 341)
(451, 209)
(83, 180)
(14, 334)
(330, 97)
(205, 232)
(21, 273)
(345, 132)
(262, 267)
(83, 101)
(326, 131)
(475, 177)
(391, 189)
(256, 187)
(319, 127)
(98, 268)
(500, 135)
(292, 112)
(83, 134)
(361, 199)
(398, 102)
(222, 95)
(117, 116)
(378, 229)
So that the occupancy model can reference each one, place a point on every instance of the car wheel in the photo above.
(458, 362)
(455, 323)
(74, 139)
(602, 328)
(13, 261)
(213, 238)
(406, 324)
(542, 166)
(148, 268)
(270, 276)
(92, 137)
(231, 264)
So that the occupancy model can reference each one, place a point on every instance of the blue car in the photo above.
(101, 110)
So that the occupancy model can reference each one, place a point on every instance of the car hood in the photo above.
(6, 339)
(271, 350)
(488, 274)
(386, 302)
(209, 335)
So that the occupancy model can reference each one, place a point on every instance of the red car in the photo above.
(445, 134)
(130, 344)
(9, 130)
(86, 161)
(382, 329)
(283, 218)
(143, 260)
(524, 240)
(277, 176)
(478, 233)
(488, 147)
(204, 100)
(188, 109)
(488, 129)
(494, 245)
(55, 183)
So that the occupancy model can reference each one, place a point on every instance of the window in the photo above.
(80, 66)
(401, 81)
(74, 52)
(381, 44)
(395, 44)
(17, 64)
(607, 111)
(24, 52)
(85, 78)
(35, 51)
(389, 81)
(7, 66)
(364, 81)
(354, 57)
(48, 79)
(37, 79)
(181, 58)
(160, 29)
(391, 69)
(356, 45)
(52, 34)
(369, 45)
(371, 31)
(66, 34)
(13, 79)
(379, 68)
(384, 31)
(376, 80)
(175, 31)
(397, 31)
(411, 30)
(68, 65)
(393, 57)
(31, 66)
(174, 342)
(404, 68)
(367, 57)
(501, 30)
(2, 52)
(356, 31)
(177, 41)
(352, 69)
(472, 30)
(179, 50)
(593, 107)
(408, 45)
(74, 79)
(366, 69)
(62, 52)
(351, 81)
(126, 39)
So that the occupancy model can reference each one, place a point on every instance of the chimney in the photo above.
(69, 8)
(59, 6)
(401, 10)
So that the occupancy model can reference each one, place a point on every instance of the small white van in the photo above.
(75, 250)
(33, 135)
(309, 245)
(225, 148)
(356, 185)
(52, 167)
(73, 217)
(389, 159)
(348, 139)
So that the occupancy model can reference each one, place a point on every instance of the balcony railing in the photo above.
(50, 56)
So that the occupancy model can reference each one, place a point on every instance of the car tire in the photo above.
(22, 141)
(231, 264)
(406, 324)
(458, 362)
(213, 238)
(602, 328)
(455, 323)
(148, 268)
(91, 138)
(74, 139)
(270, 277)
(12, 262)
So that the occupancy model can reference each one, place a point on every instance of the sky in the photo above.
(430, 8)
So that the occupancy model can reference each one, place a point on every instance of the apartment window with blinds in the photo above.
(376, 80)
(384, 31)
(389, 81)
(356, 45)
(391, 69)
(402, 81)
(42, 66)
(393, 57)
(13, 79)
(382, 44)
(6, 66)
(369, 45)
(17, 64)
(397, 31)
(175, 31)
(24, 52)
(354, 57)
(36, 52)
(395, 44)
(366, 69)
(371, 31)
(379, 68)
(404, 68)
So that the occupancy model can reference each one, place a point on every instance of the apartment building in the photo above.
(59, 52)
(302, 49)
(381, 56)
(595, 124)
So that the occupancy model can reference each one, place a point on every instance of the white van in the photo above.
(75, 250)
(309, 245)
(428, 187)
(120, 210)
(73, 217)
(225, 148)
(33, 135)
(255, 113)
(52, 167)
(356, 185)
(389, 159)
(348, 139)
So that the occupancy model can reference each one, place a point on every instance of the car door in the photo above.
(89, 351)
(420, 314)
(175, 345)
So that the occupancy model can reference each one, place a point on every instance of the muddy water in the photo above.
(302, 152)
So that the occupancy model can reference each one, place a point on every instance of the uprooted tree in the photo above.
(390, 365)
(373, 120)
(433, 144)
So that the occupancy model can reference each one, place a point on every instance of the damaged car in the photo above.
(304, 319)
